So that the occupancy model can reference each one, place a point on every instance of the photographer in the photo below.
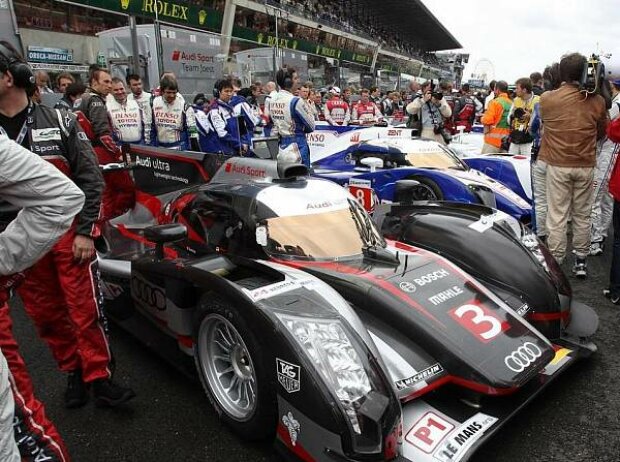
(431, 109)
(572, 124)
(519, 118)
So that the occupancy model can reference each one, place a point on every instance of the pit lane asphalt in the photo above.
(577, 419)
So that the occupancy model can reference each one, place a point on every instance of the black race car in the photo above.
(304, 322)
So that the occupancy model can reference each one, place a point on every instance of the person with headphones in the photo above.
(60, 292)
(292, 119)
(225, 134)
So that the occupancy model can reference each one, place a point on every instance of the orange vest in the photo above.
(495, 120)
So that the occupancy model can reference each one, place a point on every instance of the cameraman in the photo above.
(572, 121)
(431, 109)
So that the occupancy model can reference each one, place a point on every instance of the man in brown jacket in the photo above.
(573, 121)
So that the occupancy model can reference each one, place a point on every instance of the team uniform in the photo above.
(337, 112)
(129, 123)
(143, 100)
(241, 108)
(464, 112)
(223, 135)
(119, 193)
(60, 294)
(173, 125)
(292, 120)
(366, 113)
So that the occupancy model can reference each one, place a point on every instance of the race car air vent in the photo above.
(289, 172)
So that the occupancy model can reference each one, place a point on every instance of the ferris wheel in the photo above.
(484, 70)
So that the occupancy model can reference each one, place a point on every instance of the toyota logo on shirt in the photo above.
(522, 357)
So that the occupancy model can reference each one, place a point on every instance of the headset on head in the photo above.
(21, 71)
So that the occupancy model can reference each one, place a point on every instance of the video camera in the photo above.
(594, 79)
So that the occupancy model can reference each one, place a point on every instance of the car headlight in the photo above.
(348, 374)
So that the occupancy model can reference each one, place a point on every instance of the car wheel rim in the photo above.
(227, 366)
(422, 192)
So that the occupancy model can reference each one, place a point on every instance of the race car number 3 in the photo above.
(478, 320)
(428, 432)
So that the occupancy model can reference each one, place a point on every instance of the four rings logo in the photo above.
(148, 294)
(522, 357)
(408, 287)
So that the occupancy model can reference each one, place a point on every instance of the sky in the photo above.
(523, 36)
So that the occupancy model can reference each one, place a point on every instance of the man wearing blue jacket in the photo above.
(225, 136)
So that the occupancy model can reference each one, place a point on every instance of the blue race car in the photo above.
(381, 165)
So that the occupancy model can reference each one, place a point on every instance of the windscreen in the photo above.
(434, 157)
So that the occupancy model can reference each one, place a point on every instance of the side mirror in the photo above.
(403, 193)
(162, 234)
(372, 162)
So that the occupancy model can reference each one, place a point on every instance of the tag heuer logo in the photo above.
(288, 375)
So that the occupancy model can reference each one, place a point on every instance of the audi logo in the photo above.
(148, 294)
(522, 357)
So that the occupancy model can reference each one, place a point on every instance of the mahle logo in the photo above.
(125, 4)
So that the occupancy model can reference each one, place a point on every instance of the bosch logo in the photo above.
(522, 357)
(148, 294)
(431, 277)
(408, 287)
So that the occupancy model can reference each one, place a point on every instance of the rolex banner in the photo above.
(183, 13)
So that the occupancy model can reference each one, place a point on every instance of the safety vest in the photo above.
(500, 129)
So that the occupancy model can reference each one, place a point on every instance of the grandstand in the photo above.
(343, 41)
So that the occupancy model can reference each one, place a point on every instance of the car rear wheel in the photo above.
(231, 368)
(427, 190)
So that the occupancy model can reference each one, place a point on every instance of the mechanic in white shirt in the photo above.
(129, 122)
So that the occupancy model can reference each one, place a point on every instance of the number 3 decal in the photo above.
(479, 321)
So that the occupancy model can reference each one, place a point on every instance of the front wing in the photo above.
(444, 428)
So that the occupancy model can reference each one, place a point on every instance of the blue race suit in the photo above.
(292, 119)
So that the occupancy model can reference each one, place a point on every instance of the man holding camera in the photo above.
(573, 121)
(495, 120)
(431, 109)
(519, 118)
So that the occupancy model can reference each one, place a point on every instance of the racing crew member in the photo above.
(200, 106)
(225, 135)
(129, 122)
(173, 121)
(143, 98)
(242, 109)
(446, 88)
(365, 111)
(465, 109)
(607, 152)
(72, 93)
(519, 118)
(60, 291)
(430, 109)
(49, 202)
(495, 119)
(63, 80)
(336, 111)
(571, 126)
(292, 119)
(92, 113)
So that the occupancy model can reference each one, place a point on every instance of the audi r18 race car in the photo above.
(304, 322)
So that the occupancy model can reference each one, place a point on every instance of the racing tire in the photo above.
(232, 369)
(427, 190)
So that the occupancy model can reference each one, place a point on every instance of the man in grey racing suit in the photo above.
(49, 202)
